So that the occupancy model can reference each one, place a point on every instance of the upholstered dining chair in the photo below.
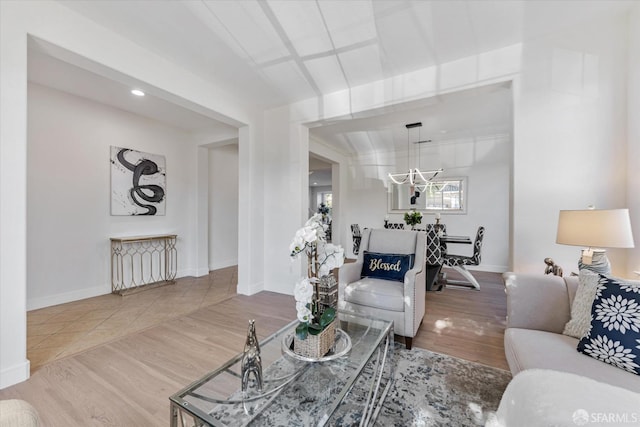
(394, 226)
(440, 230)
(387, 281)
(433, 257)
(356, 234)
(460, 262)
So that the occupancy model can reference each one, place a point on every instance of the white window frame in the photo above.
(395, 205)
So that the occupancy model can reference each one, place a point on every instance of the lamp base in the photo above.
(599, 263)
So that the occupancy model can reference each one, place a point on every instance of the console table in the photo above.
(142, 262)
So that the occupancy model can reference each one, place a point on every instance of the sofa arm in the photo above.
(541, 397)
(415, 289)
(536, 301)
(16, 412)
(348, 273)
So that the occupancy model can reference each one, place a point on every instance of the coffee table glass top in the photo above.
(294, 391)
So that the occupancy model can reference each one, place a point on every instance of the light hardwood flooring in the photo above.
(126, 379)
(66, 329)
(467, 323)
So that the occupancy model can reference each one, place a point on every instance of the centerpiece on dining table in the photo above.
(412, 218)
(316, 311)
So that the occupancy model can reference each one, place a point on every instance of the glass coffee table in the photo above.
(346, 388)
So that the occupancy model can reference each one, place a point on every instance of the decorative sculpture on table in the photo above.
(552, 267)
(251, 361)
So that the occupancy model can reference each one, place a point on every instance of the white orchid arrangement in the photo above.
(322, 258)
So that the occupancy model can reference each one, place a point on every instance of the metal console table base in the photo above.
(142, 262)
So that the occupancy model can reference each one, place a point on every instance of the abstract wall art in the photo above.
(138, 182)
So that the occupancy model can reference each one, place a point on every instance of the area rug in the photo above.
(432, 389)
(429, 389)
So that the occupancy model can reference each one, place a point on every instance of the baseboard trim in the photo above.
(15, 374)
(218, 264)
(202, 272)
(251, 289)
(96, 291)
(48, 301)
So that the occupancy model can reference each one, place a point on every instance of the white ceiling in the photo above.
(49, 71)
(275, 52)
(461, 115)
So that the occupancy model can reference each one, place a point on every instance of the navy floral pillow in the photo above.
(614, 335)
(386, 266)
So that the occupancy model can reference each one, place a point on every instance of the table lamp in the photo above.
(595, 229)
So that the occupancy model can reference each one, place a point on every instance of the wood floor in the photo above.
(127, 381)
(66, 329)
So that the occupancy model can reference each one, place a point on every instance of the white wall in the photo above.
(223, 206)
(286, 196)
(68, 193)
(570, 137)
(486, 164)
(633, 138)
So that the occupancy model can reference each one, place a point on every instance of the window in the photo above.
(444, 195)
(441, 195)
(327, 199)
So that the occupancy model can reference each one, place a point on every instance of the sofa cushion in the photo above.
(614, 335)
(376, 293)
(386, 266)
(578, 326)
(530, 349)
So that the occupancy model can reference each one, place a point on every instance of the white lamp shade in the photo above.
(605, 228)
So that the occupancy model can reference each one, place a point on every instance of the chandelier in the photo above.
(416, 178)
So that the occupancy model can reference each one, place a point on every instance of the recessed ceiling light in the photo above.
(443, 131)
(315, 183)
(137, 92)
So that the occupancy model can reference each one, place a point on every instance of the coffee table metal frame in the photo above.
(184, 412)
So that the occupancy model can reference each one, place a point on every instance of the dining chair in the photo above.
(433, 257)
(440, 230)
(356, 235)
(394, 226)
(460, 262)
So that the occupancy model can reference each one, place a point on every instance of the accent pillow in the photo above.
(614, 336)
(386, 266)
(580, 321)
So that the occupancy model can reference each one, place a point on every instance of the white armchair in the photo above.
(399, 301)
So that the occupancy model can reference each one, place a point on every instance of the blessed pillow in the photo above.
(614, 334)
(386, 266)
(578, 326)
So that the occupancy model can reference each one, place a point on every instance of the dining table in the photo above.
(447, 238)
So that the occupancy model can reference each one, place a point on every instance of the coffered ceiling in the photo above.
(270, 53)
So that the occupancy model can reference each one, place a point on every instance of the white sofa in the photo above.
(543, 398)
(554, 384)
(538, 307)
(18, 413)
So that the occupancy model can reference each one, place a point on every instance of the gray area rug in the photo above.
(429, 389)
(432, 389)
